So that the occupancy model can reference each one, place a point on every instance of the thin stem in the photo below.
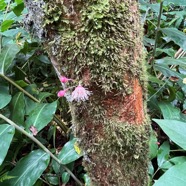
(41, 146)
(56, 119)
(178, 150)
(158, 28)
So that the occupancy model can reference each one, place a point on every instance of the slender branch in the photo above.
(56, 119)
(41, 146)
(158, 28)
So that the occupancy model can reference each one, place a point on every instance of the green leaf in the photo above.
(5, 25)
(163, 153)
(175, 35)
(176, 2)
(172, 61)
(87, 180)
(18, 9)
(153, 146)
(28, 169)
(2, 4)
(175, 176)
(169, 111)
(175, 130)
(6, 57)
(18, 108)
(65, 177)
(53, 179)
(41, 115)
(6, 135)
(5, 97)
(68, 153)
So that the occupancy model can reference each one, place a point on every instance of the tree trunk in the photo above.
(99, 42)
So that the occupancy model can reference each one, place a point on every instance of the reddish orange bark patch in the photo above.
(132, 110)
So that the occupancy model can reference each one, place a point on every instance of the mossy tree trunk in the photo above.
(98, 42)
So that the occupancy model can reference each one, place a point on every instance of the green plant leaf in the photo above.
(65, 177)
(28, 169)
(175, 176)
(176, 2)
(5, 97)
(2, 5)
(175, 35)
(175, 130)
(18, 9)
(169, 111)
(6, 135)
(172, 61)
(163, 153)
(41, 115)
(68, 153)
(153, 146)
(6, 57)
(5, 25)
(18, 108)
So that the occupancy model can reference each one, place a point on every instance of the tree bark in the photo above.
(99, 42)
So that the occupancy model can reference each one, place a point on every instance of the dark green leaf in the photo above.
(18, 108)
(163, 153)
(6, 57)
(153, 146)
(5, 97)
(175, 176)
(175, 130)
(68, 153)
(176, 2)
(18, 9)
(28, 169)
(169, 111)
(6, 135)
(65, 177)
(41, 115)
(175, 35)
(6, 25)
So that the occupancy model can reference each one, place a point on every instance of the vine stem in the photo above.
(56, 119)
(157, 29)
(41, 146)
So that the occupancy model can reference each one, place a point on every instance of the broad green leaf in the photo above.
(68, 153)
(6, 57)
(5, 25)
(18, 9)
(172, 61)
(175, 130)
(44, 59)
(13, 32)
(6, 135)
(167, 71)
(178, 160)
(153, 146)
(5, 97)
(169, 111)
(53, 179)
(163, 153)
(41, 115)
(28, 169)
(177, 2)
(175, 35)
(65, 177)
(18, 108)
(175, 176)
(2, 5)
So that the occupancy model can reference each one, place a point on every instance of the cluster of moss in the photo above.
(92, 34)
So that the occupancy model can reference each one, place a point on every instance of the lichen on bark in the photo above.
(99, 42)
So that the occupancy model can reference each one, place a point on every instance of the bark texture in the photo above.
(98, 42)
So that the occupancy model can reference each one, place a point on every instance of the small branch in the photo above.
(41, 146)
(56, 119)
(157, 29)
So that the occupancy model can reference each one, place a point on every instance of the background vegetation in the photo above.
(38, 146)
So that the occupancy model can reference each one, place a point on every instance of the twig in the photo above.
(56, 119)
(41, 146)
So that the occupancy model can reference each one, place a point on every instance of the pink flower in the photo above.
(80, 94)
(61, 93)
(64, 79)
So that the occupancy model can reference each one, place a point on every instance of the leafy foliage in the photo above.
(28, 97)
